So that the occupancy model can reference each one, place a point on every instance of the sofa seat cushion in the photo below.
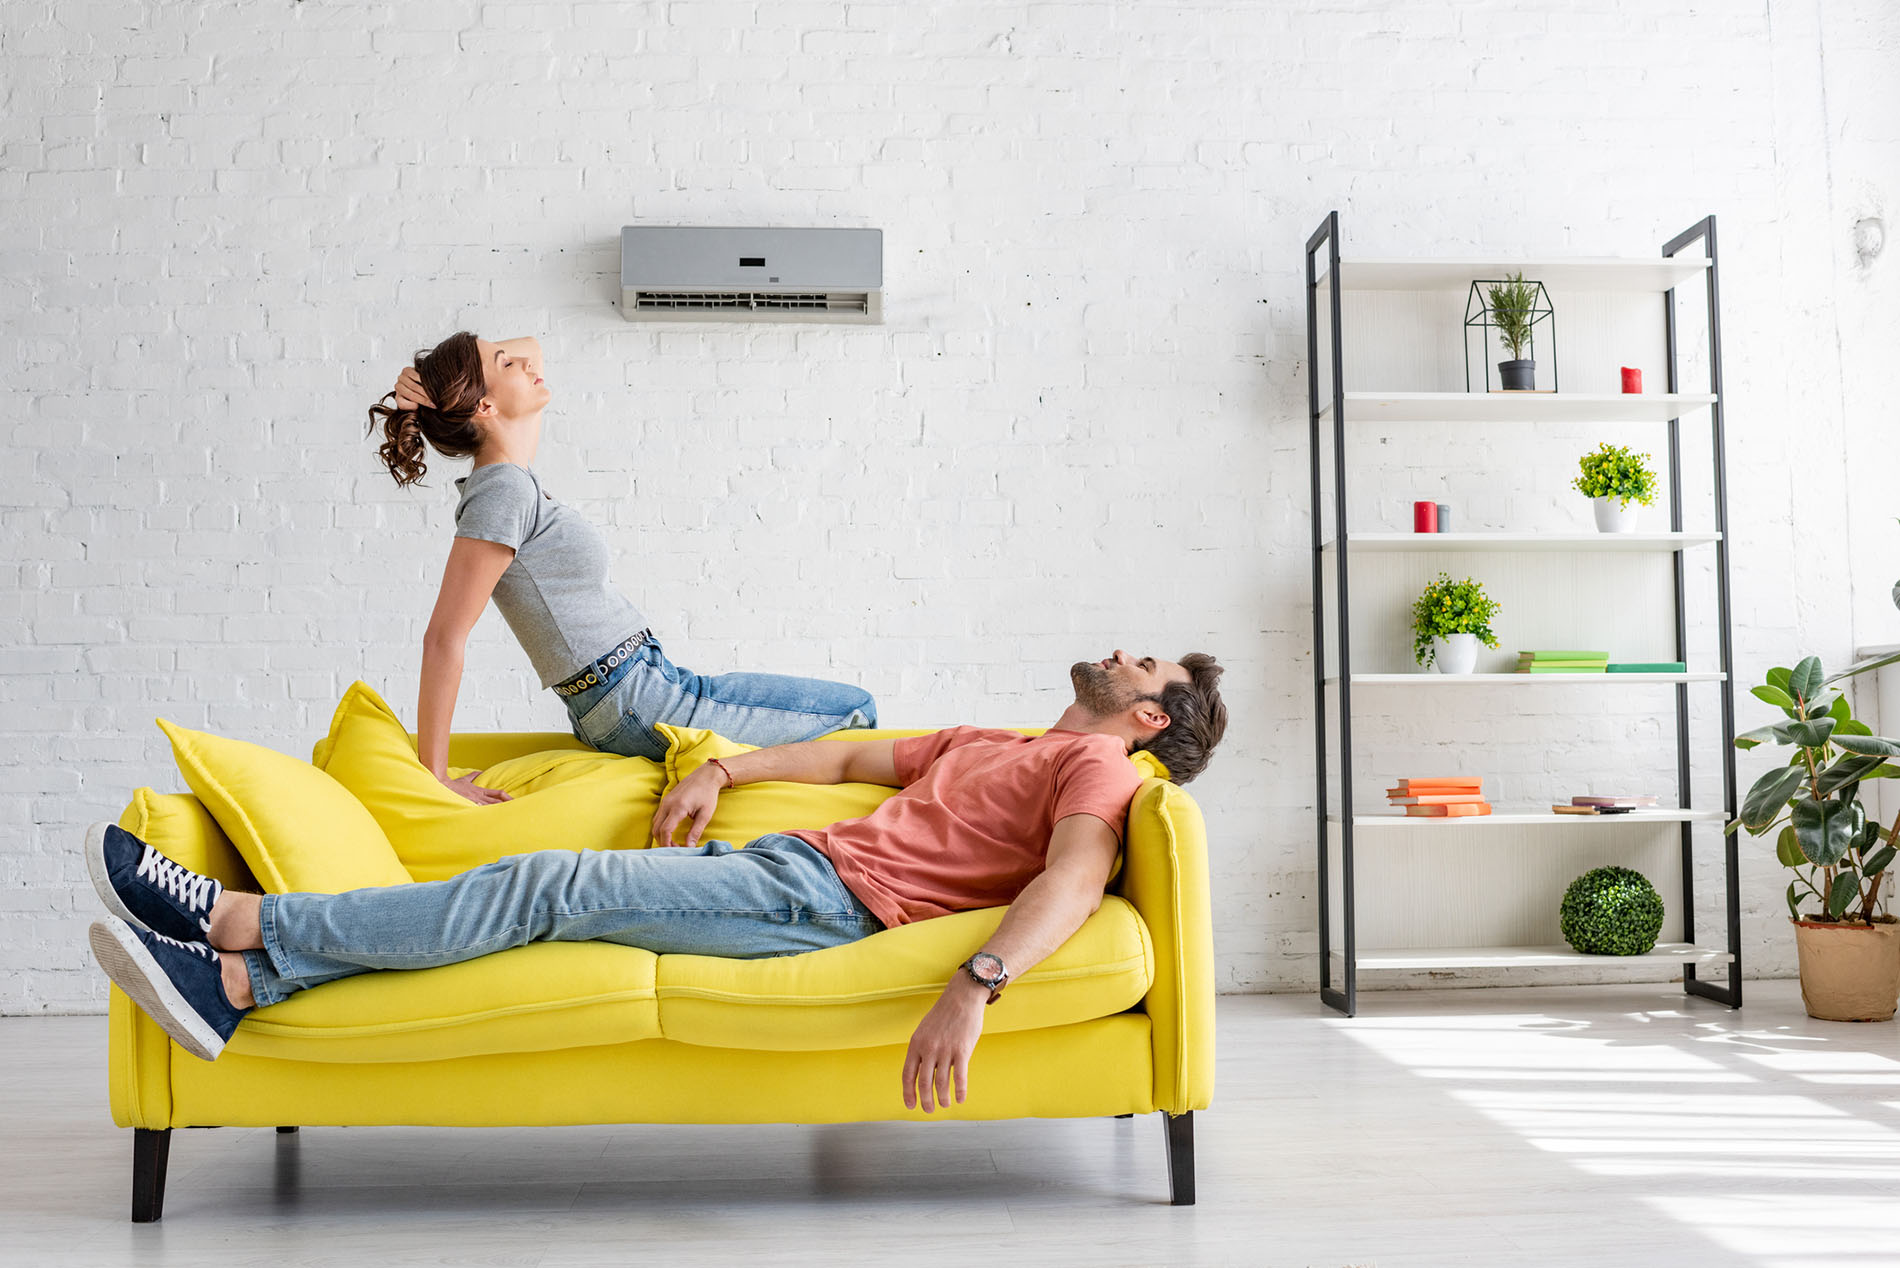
(873, 992)
(536, 998)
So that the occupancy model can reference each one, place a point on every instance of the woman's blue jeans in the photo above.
(777, 896)
(618, 715)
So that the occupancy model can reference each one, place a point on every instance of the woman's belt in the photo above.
(596, 673)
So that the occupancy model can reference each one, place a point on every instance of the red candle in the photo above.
(1424, 517)
(1632, 379)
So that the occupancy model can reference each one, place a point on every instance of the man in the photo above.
(984, 819)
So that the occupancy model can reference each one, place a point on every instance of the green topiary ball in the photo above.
(1612, 911)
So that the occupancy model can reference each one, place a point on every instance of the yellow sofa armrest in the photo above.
(1164, 875)
(138, 1068)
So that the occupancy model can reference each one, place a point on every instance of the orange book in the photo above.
(1458, 811)
(1436, 799)
(1440, 785)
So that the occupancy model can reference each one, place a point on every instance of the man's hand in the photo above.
(694, 798)
(940, 1047)
(467, 786)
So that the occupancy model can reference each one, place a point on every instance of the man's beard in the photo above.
(1097, 692)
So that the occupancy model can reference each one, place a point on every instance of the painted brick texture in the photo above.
(224, 226)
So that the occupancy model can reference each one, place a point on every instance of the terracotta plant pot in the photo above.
(1849, 972)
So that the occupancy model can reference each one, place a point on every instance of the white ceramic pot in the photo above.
(1455, 653)
(1616, 516)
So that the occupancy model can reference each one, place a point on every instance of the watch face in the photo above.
(987, 966)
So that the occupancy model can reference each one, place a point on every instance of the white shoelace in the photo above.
(194, 892)
(201, 949)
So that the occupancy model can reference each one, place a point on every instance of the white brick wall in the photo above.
(223, 226)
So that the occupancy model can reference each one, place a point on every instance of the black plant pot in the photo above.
(1517, 376)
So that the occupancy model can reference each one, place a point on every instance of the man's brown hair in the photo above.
(1197, 718)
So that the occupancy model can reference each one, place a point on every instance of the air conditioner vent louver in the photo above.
(673, 273)
(849, 302)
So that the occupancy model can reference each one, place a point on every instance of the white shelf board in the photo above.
(1515, 407)
(1521, 680)
(1530, 818)
(1656, 274)
(1665, 954)
(1423, 542)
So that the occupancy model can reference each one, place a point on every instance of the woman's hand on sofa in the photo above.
(468, 788)
(937, 1063)
(693, 798)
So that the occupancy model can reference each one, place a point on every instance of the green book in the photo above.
(1562, 669)
(1563, 655)
(1649, 667)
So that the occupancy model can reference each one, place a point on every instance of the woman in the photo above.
(546, 569)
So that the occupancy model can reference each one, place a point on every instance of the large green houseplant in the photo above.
(1849, 945)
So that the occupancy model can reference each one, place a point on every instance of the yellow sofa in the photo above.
(1120, 1021)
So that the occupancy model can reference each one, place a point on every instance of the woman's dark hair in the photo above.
(1197, 718)
(452, 375)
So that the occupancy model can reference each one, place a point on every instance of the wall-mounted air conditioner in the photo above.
(669, 273)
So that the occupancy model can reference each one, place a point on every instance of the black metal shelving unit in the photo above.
(1343, 995)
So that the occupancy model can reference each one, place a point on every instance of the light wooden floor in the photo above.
(1583, 1125)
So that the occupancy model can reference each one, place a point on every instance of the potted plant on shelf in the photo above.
(1618, 482)
(1513, 303)
(1849, 946)
(1448, 621)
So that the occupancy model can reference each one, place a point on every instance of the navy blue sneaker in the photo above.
(178, 984)
(147, 890)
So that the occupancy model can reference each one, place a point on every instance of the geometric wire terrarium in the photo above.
(1479, 317)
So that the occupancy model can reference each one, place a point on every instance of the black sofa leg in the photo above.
(149, 1152)
(1181, 1157)
(285, 1131)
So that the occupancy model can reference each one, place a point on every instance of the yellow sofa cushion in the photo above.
(537, 998)
(184, 832)
(875, 991)
(299, 830)
(571, 799)
(752, 810)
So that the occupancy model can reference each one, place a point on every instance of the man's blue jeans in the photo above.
(618, 715)
(778, 896)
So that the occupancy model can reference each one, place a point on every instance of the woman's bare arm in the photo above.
(467, 582)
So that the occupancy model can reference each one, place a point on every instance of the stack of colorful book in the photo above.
(1619, 805)
(1449, 798)
(1562, 662)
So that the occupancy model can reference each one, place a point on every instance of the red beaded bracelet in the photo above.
(713, 761)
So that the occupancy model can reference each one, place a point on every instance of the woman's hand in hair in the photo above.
(467, 787)
(410, 394)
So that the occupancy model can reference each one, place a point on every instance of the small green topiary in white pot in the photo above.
(1612, 478)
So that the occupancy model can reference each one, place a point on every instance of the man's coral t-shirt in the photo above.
(971, 827)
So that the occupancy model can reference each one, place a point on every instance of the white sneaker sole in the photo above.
(134, 971)
(102, 881)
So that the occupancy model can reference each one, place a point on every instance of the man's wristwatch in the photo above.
(987, 971)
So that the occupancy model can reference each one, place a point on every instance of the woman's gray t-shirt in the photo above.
(555, 594)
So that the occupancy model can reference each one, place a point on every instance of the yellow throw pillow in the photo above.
(563, 799)
(298, 829)
(184, 831)
(752, 811)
